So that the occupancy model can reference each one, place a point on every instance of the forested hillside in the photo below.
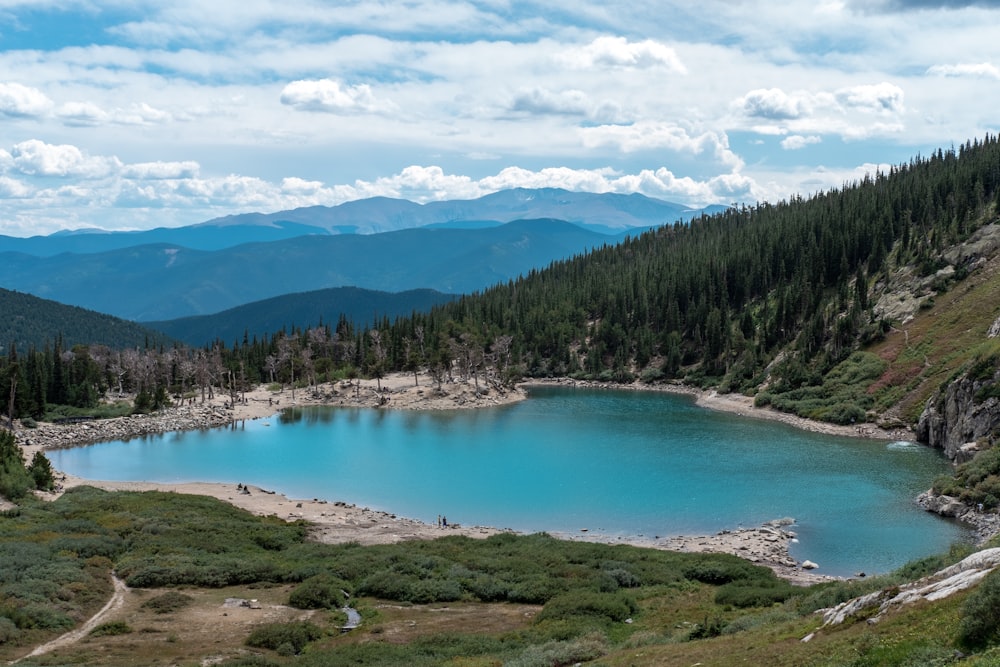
(28, 321)
(262, 318)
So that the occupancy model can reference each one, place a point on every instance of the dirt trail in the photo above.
(73, 636)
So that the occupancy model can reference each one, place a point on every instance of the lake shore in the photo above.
(740, 405)
(340, 521)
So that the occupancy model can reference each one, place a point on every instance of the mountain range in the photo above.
(605, 213)
(379, 244)
(163, 281)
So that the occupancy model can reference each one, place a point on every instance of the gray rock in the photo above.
(954, 421)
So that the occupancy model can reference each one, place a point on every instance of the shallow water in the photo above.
(615, 463)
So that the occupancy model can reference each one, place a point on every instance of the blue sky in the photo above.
(132, 115)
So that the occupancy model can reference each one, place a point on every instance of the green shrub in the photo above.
(386, 585)
(319, 592)
(724, 569)
(168, 602)
(487, 588)
(706, 630)
(15, 481)
(738, 594)
(536, 589)
(427, 591)
(568, 652)
(86, 546)
(980, 624)
(252, 660)
(844, 413)
(111, 629)
(40, 616)
(606, 606)
(275, 635)
(8, 631)
(652, 375)
(975, 481)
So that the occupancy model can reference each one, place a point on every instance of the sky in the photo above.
(139, 114)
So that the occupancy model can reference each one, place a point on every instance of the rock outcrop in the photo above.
(939, 585)
(986, 523)
(956, 420)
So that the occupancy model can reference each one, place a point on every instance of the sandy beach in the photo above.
(338, 520)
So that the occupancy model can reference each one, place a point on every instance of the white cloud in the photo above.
(540, 100)
(431, 183)
(140, 113)
(37, 158)
(12, 188)
(878, 98)
(161, 170)
(82, 114)
(981, 70)
(618, 52)
(331, 96)
(572, 102)
(774, 103)
(854, 113)
(18, 100)
(581, 180)
(797, 142)
(777, 105)
(647, 135)
(418, 183)
(300, 186)
(88, 114)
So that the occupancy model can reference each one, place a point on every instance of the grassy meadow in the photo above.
(504, 600)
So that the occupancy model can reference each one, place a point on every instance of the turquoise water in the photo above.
(615, 463)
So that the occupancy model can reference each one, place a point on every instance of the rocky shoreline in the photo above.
(75, 434)
(986, 524)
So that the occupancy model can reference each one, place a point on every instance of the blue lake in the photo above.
(614, 462)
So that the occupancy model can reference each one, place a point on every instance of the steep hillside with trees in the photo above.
(28, 321)
(260, 318)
